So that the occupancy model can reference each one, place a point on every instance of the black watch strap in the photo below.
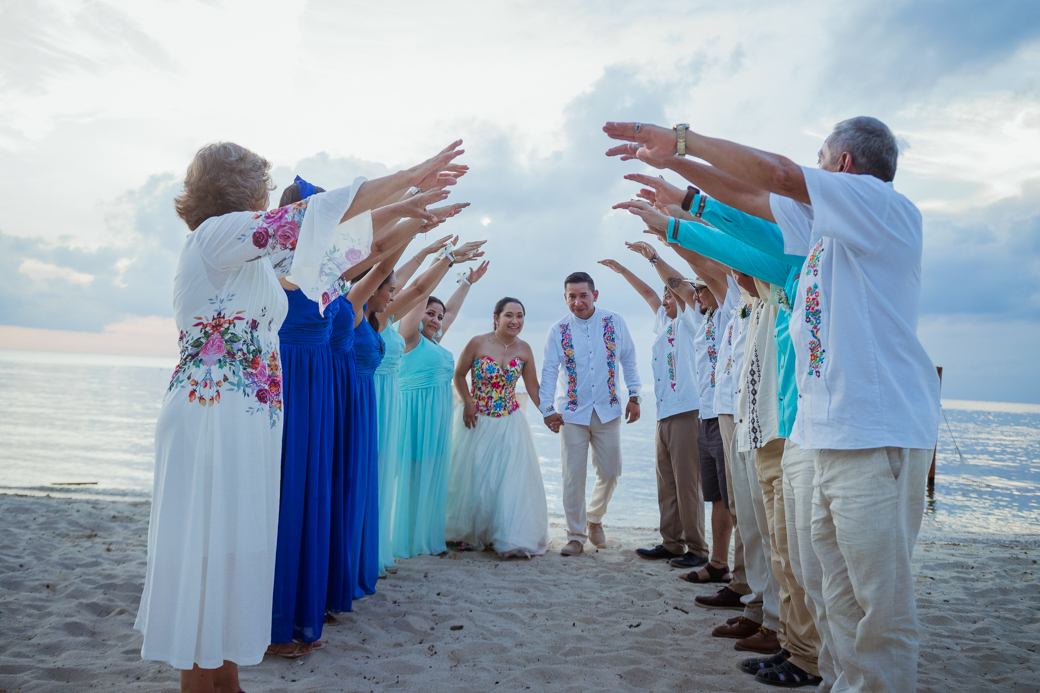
(687, 202)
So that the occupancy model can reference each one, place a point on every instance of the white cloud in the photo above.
(45, 272)
(98, 130)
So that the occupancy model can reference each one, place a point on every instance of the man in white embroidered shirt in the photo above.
(868, 393)
(579, 394)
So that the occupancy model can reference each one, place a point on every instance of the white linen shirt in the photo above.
(706, 344)
(675, 367)
(731, 357)
(581, 361)
(864, 379)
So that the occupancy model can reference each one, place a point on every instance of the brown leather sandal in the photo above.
(714, 574)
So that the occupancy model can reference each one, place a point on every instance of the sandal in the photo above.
(299, 649)
(787, 675)
(330, 619)
(714, 574)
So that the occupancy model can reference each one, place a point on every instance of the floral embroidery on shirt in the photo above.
(812, 263)
(729, 343)
(813, 312)
(813, 319)
(494, 387)
(670, 335)
(224, 354)
(610, 342)
(567, 342)
(709, 342)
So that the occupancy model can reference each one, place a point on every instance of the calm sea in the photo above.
(89, 419)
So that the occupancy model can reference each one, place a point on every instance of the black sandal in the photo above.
(714, 575)
(787, 675)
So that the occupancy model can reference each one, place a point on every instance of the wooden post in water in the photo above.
(931, 470)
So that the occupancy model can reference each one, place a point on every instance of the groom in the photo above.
(582, 353)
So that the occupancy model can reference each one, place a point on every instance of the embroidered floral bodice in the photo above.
(494, 386)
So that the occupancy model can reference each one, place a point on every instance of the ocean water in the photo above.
(82, 425)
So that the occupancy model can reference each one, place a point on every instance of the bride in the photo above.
(495, 493)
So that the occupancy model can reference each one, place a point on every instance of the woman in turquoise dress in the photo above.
(378, 313)
(424, 424)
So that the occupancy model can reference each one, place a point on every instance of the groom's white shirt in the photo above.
(580, 369)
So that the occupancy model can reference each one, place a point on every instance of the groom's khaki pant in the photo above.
(575, 440)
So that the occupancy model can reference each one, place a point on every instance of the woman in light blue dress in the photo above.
(424, 425)
(378, 313)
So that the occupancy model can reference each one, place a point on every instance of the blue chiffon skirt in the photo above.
(424, 447)
(302, 557)
(364, 503)
(387, 401)
(342, 556)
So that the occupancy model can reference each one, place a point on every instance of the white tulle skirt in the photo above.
(495, 492)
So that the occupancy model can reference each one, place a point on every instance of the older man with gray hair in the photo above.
(869, 394)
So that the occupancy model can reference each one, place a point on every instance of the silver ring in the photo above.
(638, 126)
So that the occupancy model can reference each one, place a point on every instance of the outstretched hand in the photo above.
(612, 264)
(437, 245)
(415, 207)
(468, 251)
(449, 211)
(477, 272)
(645, 211)
(429, 171)
(653, 144)
(663, 192)
(643, 248)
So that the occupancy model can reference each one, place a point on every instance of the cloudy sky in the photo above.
(103, 104)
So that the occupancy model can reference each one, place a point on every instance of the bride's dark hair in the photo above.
(501, 305)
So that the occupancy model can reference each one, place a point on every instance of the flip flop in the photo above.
(714, 575)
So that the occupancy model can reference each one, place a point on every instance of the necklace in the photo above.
(504, 345)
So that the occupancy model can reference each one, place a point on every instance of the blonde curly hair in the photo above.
(223, 177)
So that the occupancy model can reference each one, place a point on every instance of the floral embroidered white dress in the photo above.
(213, 527)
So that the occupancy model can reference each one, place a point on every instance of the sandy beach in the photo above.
(71, 574)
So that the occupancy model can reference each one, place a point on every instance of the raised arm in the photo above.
(771, 173)
(671, 277)
(458, 297)
(419, 290)
(376, 192)
(405, 271)
(410, 324)
(641, 287)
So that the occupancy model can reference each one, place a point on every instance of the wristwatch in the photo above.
(636, 398)
(680, 138)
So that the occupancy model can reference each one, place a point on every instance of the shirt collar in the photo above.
(582, 322)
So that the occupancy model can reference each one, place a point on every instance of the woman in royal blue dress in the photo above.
(302, 564)
(424, 424)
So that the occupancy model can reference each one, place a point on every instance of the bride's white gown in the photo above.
(495, 492)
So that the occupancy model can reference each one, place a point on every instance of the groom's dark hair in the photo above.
(579, 278)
